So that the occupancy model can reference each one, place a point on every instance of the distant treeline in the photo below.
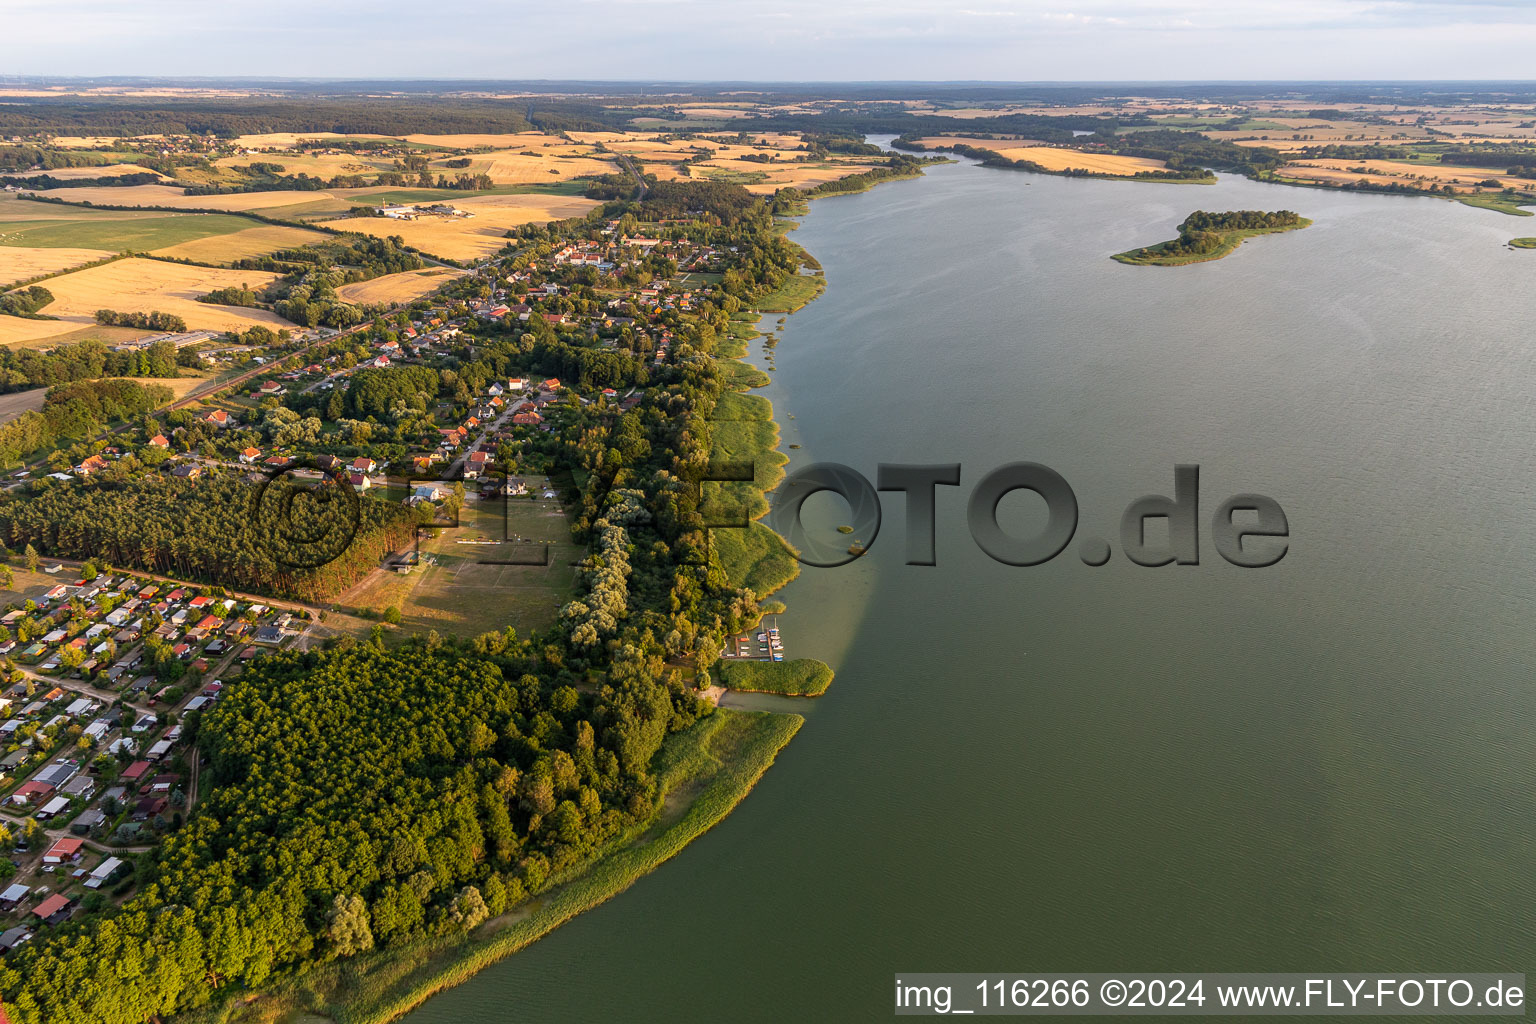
(45, 181)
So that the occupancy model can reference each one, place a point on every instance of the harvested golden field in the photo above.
(462, 238)
(396, 288)
(18, 263)
(102, 171)
(239, 245)
(512, 167)
(285, 140)
(1383, 172)
(68, 333)
(522, 140)
(140, 285)
(318, 165)
(16, 330)
(175, 198)
(1054, 158)
(780, 175)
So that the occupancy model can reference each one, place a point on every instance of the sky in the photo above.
(775, 40)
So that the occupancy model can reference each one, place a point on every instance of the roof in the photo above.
(65, 848)
(52, 905)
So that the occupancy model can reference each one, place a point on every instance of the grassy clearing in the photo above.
(71, 333)
(1515, 206)
(716, 763)
(466, 592)
(1157, 255)
(794, 293)
(800, 677)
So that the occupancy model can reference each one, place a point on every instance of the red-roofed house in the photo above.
(216, 418)
(55, 904)
(65, 850)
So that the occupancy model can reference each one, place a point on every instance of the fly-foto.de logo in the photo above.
(1248, 530)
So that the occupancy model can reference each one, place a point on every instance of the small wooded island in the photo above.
(1210, 236)
(1523, 243)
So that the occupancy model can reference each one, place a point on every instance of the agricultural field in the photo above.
(1402, 172)
(20, 332)
(244, 244)
(458, 590)
(517, 166)
(102, 171)
(31, 225)
(1055, 158)
(21, 262)
(463, 238)
(141, 285)
(397, 288)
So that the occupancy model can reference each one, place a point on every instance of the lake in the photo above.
(1323, 765)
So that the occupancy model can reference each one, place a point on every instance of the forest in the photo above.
(220, 529)
(362, 799)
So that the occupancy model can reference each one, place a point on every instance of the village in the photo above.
(109, 671)
(106, 676)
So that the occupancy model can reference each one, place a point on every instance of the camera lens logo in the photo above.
(304, 523)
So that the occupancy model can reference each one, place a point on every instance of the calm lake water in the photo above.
(1325, 765)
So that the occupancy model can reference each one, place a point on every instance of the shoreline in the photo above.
(393, 983)
(716, 763)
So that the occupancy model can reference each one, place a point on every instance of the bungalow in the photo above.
(81, 786)
(13, 895)
(187, 471)
(63, 851)
(134, 772)
(13, 937)
(159, 441)
(428, 492)
(216, 418)
(87, 820)
(552, 384)
(359, 481)
(363, 464)
(103, 872)
(94, 464)
(57, 805)
(55, 909)
(250, 455)
(271, 387)
(527, 419)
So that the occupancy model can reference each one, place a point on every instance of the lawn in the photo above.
(1515, 206)
(460, 587)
